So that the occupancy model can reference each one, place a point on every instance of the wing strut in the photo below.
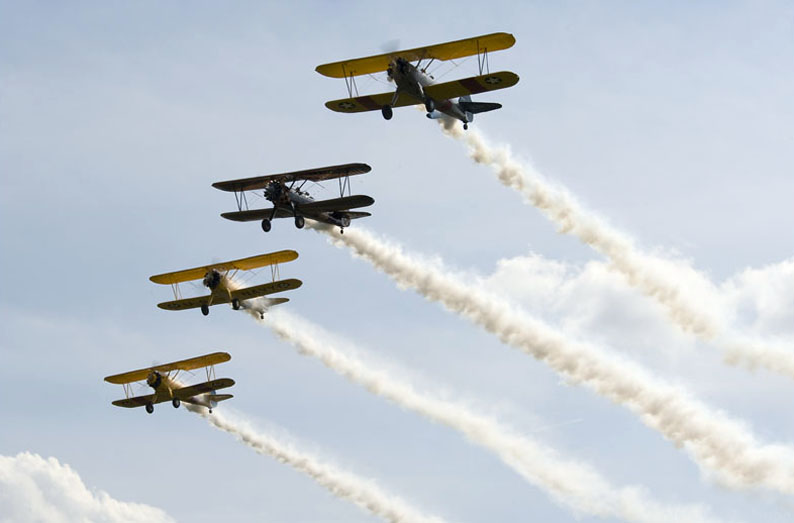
(210, 372)
(241, 199)
(344, 185)
(350, 82)
(177, 292)
(482, 59)
(274, 272)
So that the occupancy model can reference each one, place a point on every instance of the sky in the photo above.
(673, 123)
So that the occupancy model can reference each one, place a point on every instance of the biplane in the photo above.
(163, 379)
(219, 279)
(285, 192)
(414, 84)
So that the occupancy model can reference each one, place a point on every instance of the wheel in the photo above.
(205, 309)
(266, 225)
(236, 304)
(299, 222)
(210, 411)
(341, 230)
(175, 402)
(430, 105)
(386, 111)
(465, 126)
(149, 408)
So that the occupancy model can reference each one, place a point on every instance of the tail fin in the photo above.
(477, 107)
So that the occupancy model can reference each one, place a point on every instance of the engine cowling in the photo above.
(154, 379)
(212, 279)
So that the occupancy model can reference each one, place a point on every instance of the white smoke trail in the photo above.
(576, 485)
(363, 492)
(715, 441)
(691, 300)
(34, 489)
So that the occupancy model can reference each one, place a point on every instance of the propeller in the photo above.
(390, 46)
(273, 191)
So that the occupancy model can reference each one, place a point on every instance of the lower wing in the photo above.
(472, 85)
(138, 401)
(372, 102)
(335, 204)
(202, 388)
(256, 215)
(268, 288)
(443, 91)
(191, 303)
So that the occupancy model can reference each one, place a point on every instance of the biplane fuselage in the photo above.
(293, 199)
(220, 286)
(411, 81)
(164, 387)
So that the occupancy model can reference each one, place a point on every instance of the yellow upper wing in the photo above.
(244, 264)
(188, 364)
(445, 51)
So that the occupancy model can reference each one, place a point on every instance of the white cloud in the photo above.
(33, 488)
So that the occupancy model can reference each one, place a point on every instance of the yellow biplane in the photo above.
(414, 85)
(163, 379)
(219, 279)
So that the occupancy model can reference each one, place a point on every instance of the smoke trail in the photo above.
(570, 483)
(690, 299)
(715, 441)
(362, 492)
(36, 489)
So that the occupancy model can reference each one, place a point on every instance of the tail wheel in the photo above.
(266, 225)
(175, 402)
(236, 304)
(430, 105)
(299, 222)
(386, 111)
(465, 126)
(149, 408)
(205, 309)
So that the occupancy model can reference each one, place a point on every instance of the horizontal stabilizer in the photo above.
(220, 397)
(357, 214)
(479, 107)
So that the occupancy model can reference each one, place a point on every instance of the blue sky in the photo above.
(673, 122)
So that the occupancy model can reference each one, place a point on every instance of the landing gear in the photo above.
(341, 230)
(430, 105)
(386, 111)
(465, 126)
(175, 402)
(299, 221)
(149, 408)
(266, 225)
(205, 309)
(210, 409)
(236, 304)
